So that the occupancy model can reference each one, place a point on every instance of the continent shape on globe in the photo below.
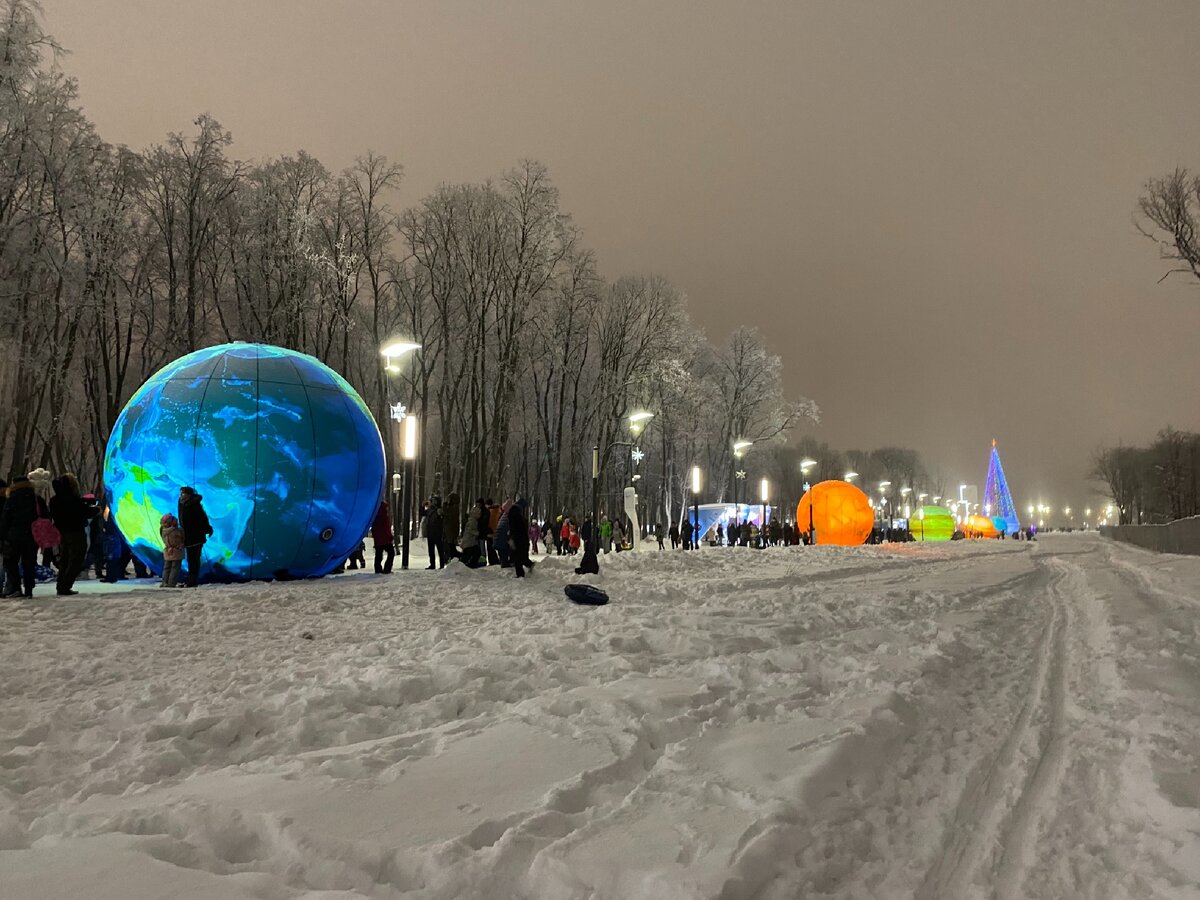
(284, 451)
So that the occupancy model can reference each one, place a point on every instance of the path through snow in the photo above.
(994, 719)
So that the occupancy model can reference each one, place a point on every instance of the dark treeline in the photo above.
(1153, 484)
(114, 262)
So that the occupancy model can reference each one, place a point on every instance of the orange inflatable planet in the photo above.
(979, 527)
(840, 513)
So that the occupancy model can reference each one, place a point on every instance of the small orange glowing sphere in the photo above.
(840, 513)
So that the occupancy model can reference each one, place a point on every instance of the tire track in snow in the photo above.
(979, 821)
(1040, 793)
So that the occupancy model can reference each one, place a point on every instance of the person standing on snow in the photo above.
(70, 516)
(518, 531)
(384, 540)
(502, 538)
(434, 533)
(173, 550)
(21, 508)
(472, 540)
(196, 530)
(451, 523)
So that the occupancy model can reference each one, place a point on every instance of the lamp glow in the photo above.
(695, 479)
(409, 450)
(398, 348)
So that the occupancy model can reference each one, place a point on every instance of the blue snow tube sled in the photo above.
(585, 594)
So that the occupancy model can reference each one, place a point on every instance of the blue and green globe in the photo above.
(283, 450)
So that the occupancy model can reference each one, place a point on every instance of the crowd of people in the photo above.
(50, 530)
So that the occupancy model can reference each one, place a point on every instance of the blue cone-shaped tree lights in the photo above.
(996, 497)
(283, 450)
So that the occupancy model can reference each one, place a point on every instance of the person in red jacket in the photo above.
(381, 534)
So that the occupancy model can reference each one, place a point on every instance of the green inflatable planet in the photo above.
(931, 523)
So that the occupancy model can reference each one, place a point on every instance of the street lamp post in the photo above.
(696, 507)
(739, 450)
(762, 532)
(805, 465)
(409, 452)
(394, 350)
(596, 500)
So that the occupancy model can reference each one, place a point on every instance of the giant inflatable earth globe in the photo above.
(283, 450)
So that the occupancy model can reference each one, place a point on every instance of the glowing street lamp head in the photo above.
(806, 464)
(765, 488)
(638, 420)
(695, 479)
(883, 486)
(922, 496)
(740, 447)
(408, 437)
(398, 348)
(850, 476)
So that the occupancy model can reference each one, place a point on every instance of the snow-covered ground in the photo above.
(994, 719)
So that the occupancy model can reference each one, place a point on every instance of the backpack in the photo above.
(45, 533)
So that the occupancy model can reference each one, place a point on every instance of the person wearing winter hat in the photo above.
(384, 540)
(196, 530)
(518, 536)
(70, 516)
(173, 549)
(21, 509)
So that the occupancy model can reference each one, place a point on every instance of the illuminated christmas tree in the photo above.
(996, 498)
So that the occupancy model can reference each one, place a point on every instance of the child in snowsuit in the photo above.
(172, 538)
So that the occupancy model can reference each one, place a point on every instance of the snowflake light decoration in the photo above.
(637, 454)
(398, 412)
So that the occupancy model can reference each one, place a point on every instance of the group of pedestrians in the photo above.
(74, 533)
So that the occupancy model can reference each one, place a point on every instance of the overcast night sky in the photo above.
(925, 205)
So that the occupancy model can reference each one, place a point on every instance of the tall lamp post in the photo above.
(596, 499)
(883, 505)
(739, 450)
(408, 450)
(637, 423)
(805, 465)
(696, 507)
(392, 351)
(762, 532)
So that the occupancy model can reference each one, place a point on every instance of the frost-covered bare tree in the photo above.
(1170, 208)
(113, 262)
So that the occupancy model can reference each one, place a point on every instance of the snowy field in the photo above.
(994, 719)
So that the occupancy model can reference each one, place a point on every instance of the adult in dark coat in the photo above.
(70, 515)
(451, 523)
(21, 509)
(518, 536)
(384, 540)
(196, 530)
(472, 536)
(434, 533)
(3, 497)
